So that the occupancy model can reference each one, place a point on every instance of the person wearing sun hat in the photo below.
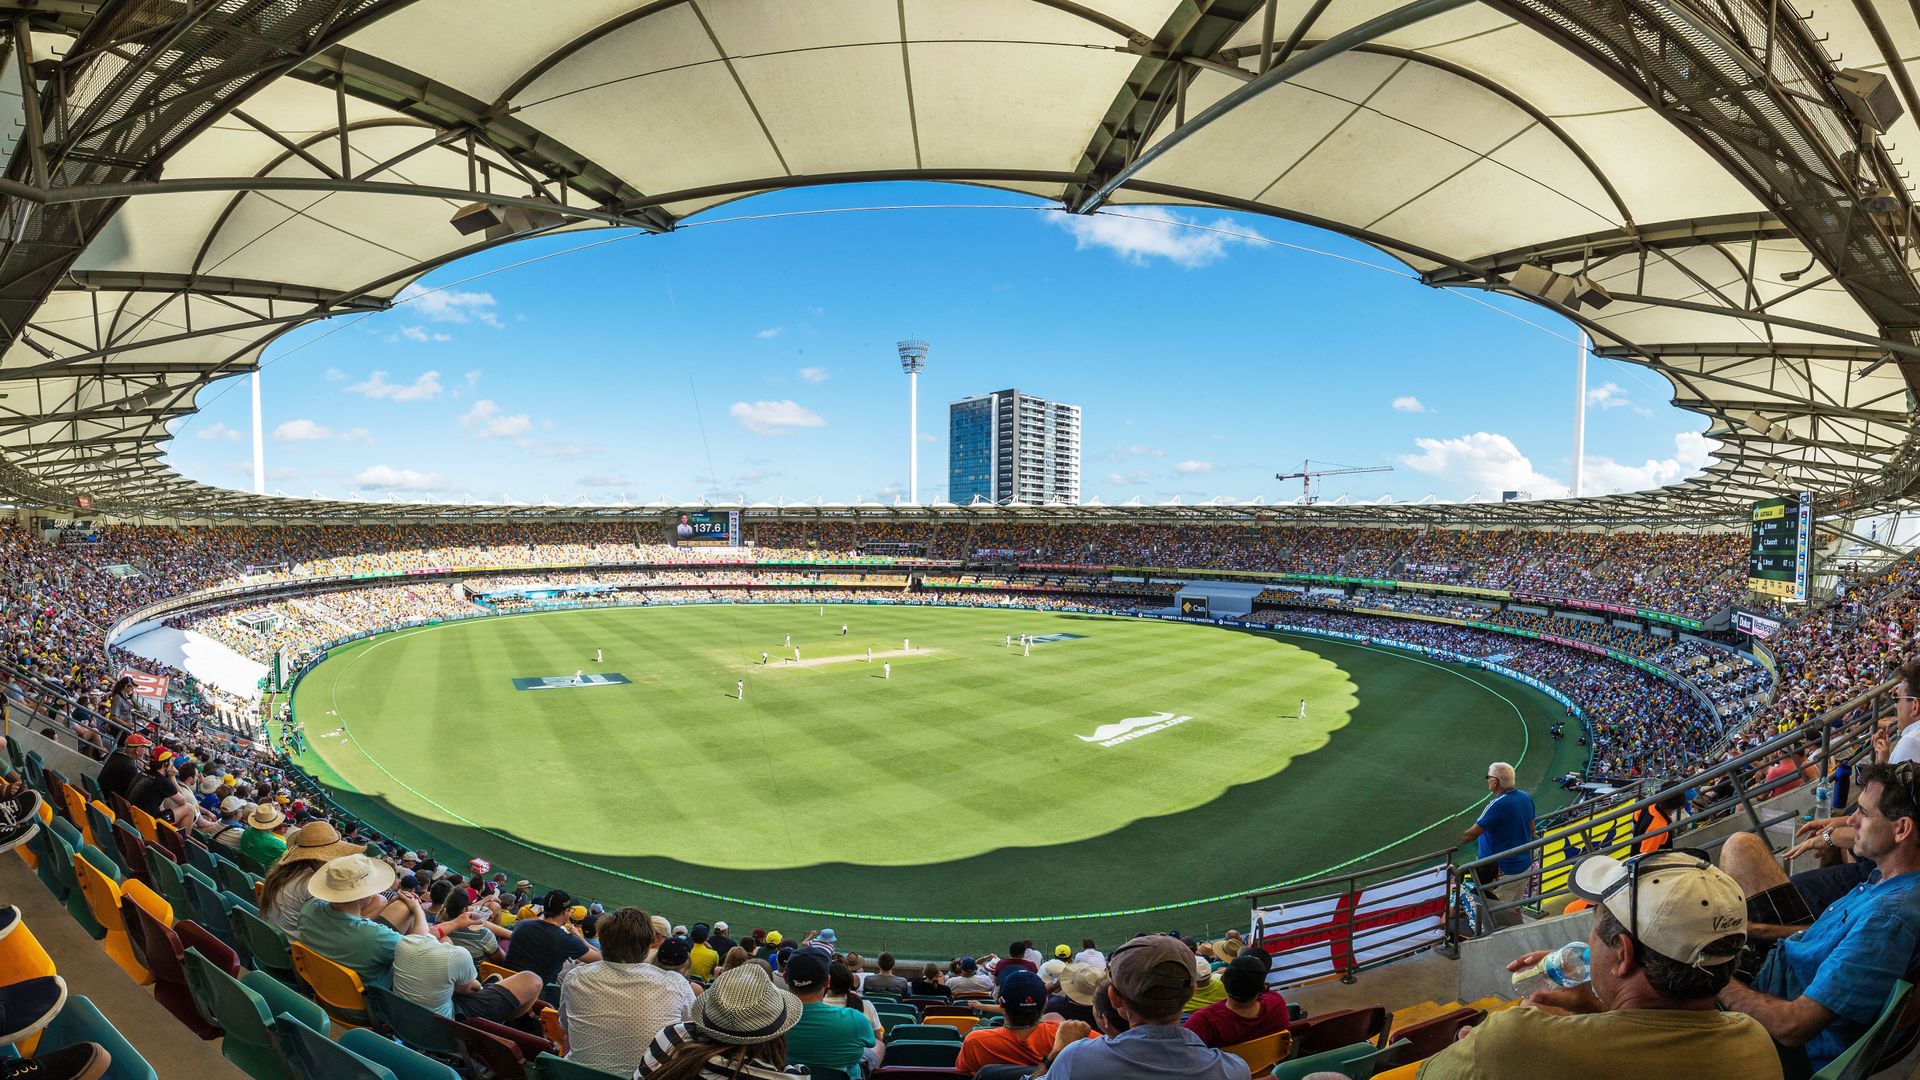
(1072, 997)
(738, 1031)
(337, 923)
(285, 893)
(263, 845)
(1668, 929)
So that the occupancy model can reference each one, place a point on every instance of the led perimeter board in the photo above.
(708, 528)
(1780, 552)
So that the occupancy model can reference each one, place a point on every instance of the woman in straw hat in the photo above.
(285, 891)
(738, 1032)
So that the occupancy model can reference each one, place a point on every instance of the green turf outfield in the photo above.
(973, 784)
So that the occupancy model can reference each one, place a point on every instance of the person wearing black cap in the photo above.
(1250, 1010)
(828, 1036)
(1150, 979)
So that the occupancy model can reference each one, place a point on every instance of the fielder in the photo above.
(869, 654)
(789, 641)
(796, 654)
(886, 670)
(596, 656)
(579, 676)
(843, 629)
(763, 658)
(1303, 708)
(740, 688)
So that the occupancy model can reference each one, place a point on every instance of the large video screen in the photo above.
(1780, 552)
(708, 528)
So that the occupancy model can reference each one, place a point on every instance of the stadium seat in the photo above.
(91, 785)
(488, 968)
(1858, 1061)
(924, 1033)
(30, 851)
(62, 858)
(418, 1027)
(1435, 1034)
(103, 901)
(144, 823)
(549, 1018)
(100, 821)
(1342, 1027)
(160, 950)
(402, 1062)
(21, 954)
(337, 988)
(962, 1024)
(549, 1067)
(209, 910)
(934, 1054)
(76, 805)
(1262, 1054)
(132, 852)
(164, 872)
(942, 1008)
(822, 1072)
(491, 1050)
(198, 856)
(231, 878)
(244, 1009)
(311, 1055)
(45, 863)
(80, 1022)
(889, 1072)
(1357, 1062)
(266, 945)
(169, 840)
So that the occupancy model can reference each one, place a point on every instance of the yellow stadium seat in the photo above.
(149, 901)
(26, 850)
(338, 988)
(1262, 1054)
(963, 1023)
(488, 967)
(22, 957)
(145, 822)
(76, 805)
(103, 901)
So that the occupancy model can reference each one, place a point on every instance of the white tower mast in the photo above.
(913, 360)
(259, 457)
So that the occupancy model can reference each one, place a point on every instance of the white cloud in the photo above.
(334, 374)
(1483, 461)
(301, 431)
(357, 435)
(770, 333)
(557, 451)
(1191, 468)
(1127, 479)
(1408, 403)
(1607, 395)
(1141, 234)
(388, 478)
(1691, 453)
(421, 334)
(218, 431)
(1146, 451)
(814, 375)
(450, 305)
(603, 480)
(487, 421)
(775, 417)
(425, 388)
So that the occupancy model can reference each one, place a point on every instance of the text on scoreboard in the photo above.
(708, 528)
(1780, 548)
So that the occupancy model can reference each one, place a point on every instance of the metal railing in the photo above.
(1840, 733)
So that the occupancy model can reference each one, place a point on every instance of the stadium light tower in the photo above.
(913, 360)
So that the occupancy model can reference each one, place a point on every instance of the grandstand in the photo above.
(1711, 192)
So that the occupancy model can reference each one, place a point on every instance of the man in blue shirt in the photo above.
(1824, 986)
(1151, 979)
(1505, 824)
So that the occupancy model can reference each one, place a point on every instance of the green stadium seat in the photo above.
(80, 1022)
(1357, 1062)
(209, 910)
(266, 946)
(924, 1033)
(167, 879)
(62, 855)
(548, 1067)
(402, 1062)
(45, 863)
(931, 1054)
(313, 1056)
(199, 857)
(417, 1027)
(231, 878)
(244, 1009)
(1858, 1061)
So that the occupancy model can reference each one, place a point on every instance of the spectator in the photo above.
(721, 943)
(124, 766)
(544, 945)
(842, 992)
(479, 936)
(971, 981)
(1824, 985)
(1016, 958)
(1905, 743)
(284, 894)
(1050, 971)
(336, 925)
(226, 833)
(1025, 1040)
(1505, 824)
(701, 956)
(263, 845)
(441, 976)
(738, 1031)
(1090, 956)
(885, 981)
(931, 982)
(1667, 930)
(827, 1035)
(613, 1006)
(1151, 978)
(1073, 996)
(1207, 990)
(1250, 1010)
(734, 958)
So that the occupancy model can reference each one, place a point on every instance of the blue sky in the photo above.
(756, 357)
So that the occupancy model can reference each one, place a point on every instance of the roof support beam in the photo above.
(251, 288)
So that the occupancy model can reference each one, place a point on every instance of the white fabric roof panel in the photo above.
(668, 97)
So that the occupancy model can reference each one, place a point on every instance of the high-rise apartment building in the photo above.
(1009, 447)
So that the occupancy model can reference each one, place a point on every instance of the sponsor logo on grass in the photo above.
(1132, 728)
(570, 682)
(1048, 639)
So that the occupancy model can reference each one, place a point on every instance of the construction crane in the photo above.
(1308, 474)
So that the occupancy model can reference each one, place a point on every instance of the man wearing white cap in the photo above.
(1667, 929)
(338, 922)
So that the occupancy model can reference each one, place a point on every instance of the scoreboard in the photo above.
(1780, 547)
(708, 528)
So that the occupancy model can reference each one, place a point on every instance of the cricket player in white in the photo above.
(869, 654)
(843, 629)
(1303, 708)
(579, 676)
(763, 658)
(789, 641)
(886, 670)
(1009, 642)
(796, 653)
(596, 656)
(740, 688)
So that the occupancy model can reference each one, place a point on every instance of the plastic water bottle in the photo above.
(1563, 967)
(1823, 798)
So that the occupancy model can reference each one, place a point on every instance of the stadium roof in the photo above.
(187, 179)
